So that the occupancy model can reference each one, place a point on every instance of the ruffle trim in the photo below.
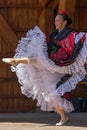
(28, 47)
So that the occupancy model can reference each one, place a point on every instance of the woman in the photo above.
(42, 65)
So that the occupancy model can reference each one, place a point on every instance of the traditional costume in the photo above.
(65, 53)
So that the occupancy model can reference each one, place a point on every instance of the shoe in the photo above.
(10, 61)
(62, 122)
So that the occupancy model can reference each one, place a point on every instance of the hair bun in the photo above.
(66, 17)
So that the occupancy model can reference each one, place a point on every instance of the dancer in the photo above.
(48, 68)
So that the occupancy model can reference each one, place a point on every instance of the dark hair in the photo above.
(67, 18)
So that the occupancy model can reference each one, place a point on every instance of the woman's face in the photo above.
(59, 22)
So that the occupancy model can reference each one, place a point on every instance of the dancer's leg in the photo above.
(62, 113)
(16, 61)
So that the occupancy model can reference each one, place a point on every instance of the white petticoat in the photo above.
(39, 80)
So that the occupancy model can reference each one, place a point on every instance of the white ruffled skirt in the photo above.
(39, 80)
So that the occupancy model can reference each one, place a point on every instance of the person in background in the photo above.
(49, 68)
